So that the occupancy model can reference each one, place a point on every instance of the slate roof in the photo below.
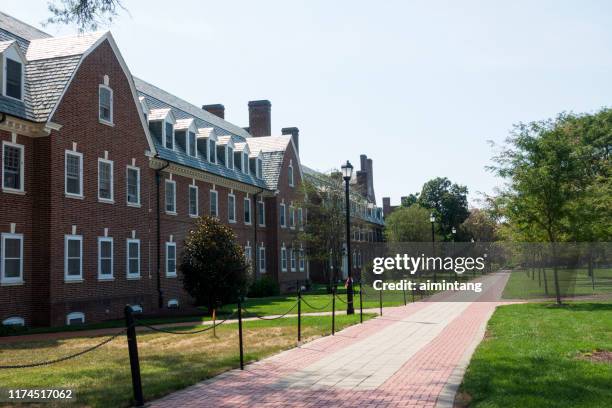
(50, 64)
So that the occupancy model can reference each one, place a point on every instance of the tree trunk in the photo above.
(555, 274)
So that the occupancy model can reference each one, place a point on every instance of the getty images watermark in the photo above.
(404, 263)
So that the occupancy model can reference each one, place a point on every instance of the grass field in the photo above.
(531, 358)
(168, 362)
(572, 282)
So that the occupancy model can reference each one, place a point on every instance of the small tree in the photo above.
(213, 264)
(408, 224)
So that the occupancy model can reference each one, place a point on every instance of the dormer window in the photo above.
(259, 168)
(229, 160)
(169, 136)
(192, 143)
(105, 104)
(290, 174)
(212, 151)
(14, 78)
(245, 163)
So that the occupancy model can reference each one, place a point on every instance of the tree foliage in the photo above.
(213, 264)
(408, 224)
(88, 15)
(448, 201)
(479, 226)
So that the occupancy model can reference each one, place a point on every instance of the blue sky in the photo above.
(418, 86)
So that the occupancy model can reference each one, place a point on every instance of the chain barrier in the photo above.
(161, 330)
(59, 360)
(271, 318)
(316, 308)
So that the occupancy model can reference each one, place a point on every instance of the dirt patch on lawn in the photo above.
(597, 356)
(462, 400)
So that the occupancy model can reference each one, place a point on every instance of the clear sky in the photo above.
(419, 86)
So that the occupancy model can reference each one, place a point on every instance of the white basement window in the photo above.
(75, 318)
(14, 321)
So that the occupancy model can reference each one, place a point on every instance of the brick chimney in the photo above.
(387, 206)
(216, 109)
(371, 194)
(295, 135)
(260, 121)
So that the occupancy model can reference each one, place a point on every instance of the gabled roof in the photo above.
(184, 124)
(161, 114)
(57, 47)
(242, 147)
(20, 29)
(5, 44)
(225, 140)
(207, 132)
(269, 143)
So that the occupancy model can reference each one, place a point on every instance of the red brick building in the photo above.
(103, 175)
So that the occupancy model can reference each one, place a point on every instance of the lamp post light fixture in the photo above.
(432, 219)
(347, 173)
(454, 232)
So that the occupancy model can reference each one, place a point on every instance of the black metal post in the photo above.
(299, 296)
(240, 333)
(433, 249)
(380, 300)
(404, 290)
(133, 351)
(350, 309)
(360, 301)
(333, 310)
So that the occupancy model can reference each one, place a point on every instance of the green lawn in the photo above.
(168, 362)
(531, 357)
(572, 282)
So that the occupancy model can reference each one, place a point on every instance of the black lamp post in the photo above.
(347, 172)
(432, 219)
(454, 232)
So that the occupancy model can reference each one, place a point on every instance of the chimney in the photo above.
(295, 135)
(386, 206)
(371, 181)
(216, 109)
(363, 165)
(260, 121)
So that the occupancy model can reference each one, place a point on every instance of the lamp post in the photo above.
(432, 219)
(347, 172)
(454, 232)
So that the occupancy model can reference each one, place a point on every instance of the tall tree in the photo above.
(408, 224)
(86, 14)
(448, 201)
(479, 226)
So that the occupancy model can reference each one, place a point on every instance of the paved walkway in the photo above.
(413, 356)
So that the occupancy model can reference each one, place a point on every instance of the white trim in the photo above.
(262, 259)
(21, 168)
(112, 259)
(216, 194)
(168, 273)
(5, 56)
(110, 200)
(74, 316)
(100, 119)
(80, 156)
(246, 205)
(261, 213)
(15, 280)
(127, 258)
(231, 198)
(197, 201)
(173, 183)
(127, 171)
(73, 278)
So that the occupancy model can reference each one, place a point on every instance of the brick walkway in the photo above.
(413, 356)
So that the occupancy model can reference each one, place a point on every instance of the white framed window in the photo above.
(170, 259)
(191, 140)
(74, 174)
(169, 135)
(170, 197)
(293, 260)
(132, 178)
(290, 174)
(231, 208)
(261, 213)
(105, 181)
(105, 258)
(173, 304)
(75, 318)
(283, 259)
(291, 217)
(300, 218)
(259, 168)
(247, 211)
(11, 268)
(262, 259)
(212, 151)
(302, 260)
(105, 114)
(12, 167)
(245, 163)
(133, 258)
(214, 203)
(229, 157)
(14, 321)
(248, 254)
(282, 215)
(73, 258)
(193, 201)
(13, 78)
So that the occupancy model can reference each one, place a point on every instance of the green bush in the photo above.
(263, 287)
